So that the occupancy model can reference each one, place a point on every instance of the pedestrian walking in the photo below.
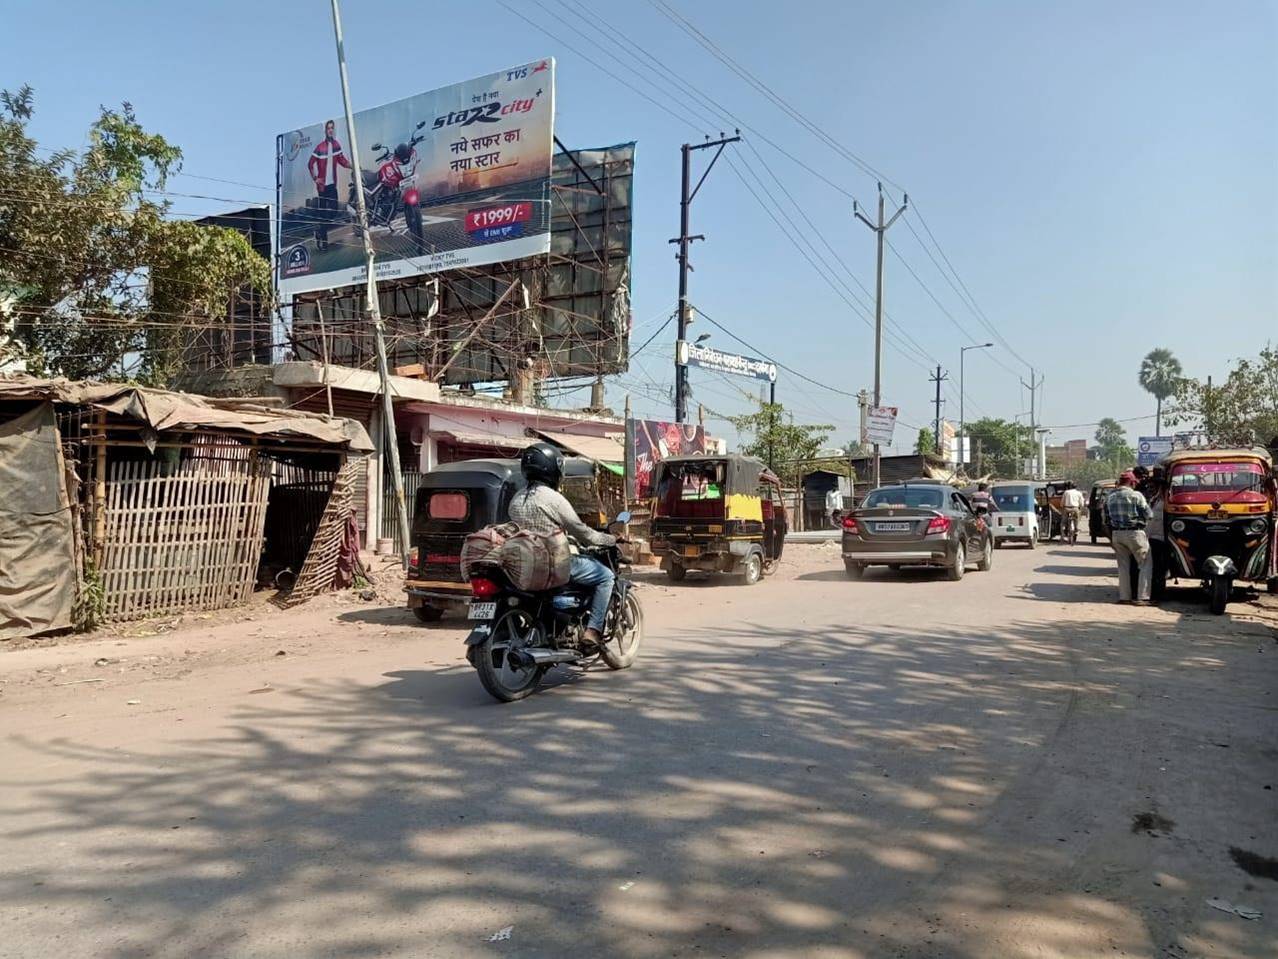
(1128, 514)
(325, 159)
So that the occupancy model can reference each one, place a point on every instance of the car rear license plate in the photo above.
(692, 551)
(892, 527)
(482, 610)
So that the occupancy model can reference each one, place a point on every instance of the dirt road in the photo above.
(1009, 766)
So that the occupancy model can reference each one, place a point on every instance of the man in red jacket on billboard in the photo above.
(325, 159)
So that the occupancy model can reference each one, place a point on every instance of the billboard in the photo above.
(708, 358)
(455, 177)
(1152, 448)
(648, 442)
(880, 424)
(578, 322)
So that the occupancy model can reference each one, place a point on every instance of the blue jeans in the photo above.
(591, 572)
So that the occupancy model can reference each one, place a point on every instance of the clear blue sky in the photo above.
(1104, 177)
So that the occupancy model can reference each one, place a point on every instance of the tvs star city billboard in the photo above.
(452, 178)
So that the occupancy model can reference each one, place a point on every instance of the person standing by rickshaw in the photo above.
(1128, 515)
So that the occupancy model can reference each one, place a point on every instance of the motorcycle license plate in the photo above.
(482, 610)
(892, 527)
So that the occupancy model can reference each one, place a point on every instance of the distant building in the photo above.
(1069, 453)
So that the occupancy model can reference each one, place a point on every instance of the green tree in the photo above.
(1242, 410)
(1111, 440)
(1160, 371)
(772, 435)
(97, 278)
(926, 443)
(1003, 446)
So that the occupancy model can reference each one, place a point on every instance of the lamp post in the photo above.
(962, 453)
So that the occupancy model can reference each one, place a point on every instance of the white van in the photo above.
(1013, 516)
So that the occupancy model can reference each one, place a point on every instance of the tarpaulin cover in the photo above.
(37, 550)
(166, 410)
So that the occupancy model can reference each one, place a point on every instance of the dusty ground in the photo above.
(1010, 766)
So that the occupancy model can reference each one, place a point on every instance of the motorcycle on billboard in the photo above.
(391, 190)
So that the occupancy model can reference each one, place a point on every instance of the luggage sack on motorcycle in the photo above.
(536, 561)
(483, 546)
(531, 561)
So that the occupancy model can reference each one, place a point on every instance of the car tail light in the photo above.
(483, 588)
(412, 560)
(849, 525)
(938, 524)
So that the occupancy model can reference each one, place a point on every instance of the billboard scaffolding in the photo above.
(566, 313)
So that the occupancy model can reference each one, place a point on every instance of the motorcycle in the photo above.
(390, 190)
(518, 636)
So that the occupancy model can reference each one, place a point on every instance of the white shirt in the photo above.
(1073, 499)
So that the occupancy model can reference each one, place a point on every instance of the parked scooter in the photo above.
(519, 635)
(391, 190)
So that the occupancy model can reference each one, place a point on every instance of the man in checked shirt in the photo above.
(1128, 514)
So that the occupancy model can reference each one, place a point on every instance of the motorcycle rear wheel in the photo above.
(625, 634)
(504, 682)
(1218, 594)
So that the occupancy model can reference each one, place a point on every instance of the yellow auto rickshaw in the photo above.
(1219, 512)
(719, 514)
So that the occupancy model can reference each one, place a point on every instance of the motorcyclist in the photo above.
(540, 507)
(982, 496)
(1072, 504)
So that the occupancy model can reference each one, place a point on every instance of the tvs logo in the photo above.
(297, 262)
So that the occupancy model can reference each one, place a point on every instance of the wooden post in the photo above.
(99, 491)
(328, 388)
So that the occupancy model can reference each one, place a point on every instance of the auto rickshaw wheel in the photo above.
(751, 569)
(428, 614)
(676, 573)
(1273, 584)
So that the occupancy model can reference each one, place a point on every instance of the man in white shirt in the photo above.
(1072, 504)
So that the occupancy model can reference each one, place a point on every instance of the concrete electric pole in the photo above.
(938, 378)
(391, 441)
(879, 229)
(684, 240)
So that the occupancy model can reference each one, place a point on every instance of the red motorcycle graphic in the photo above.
(391, 190)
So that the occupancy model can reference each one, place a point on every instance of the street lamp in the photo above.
(962, 454)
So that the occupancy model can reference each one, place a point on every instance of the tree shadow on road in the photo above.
(830, 791)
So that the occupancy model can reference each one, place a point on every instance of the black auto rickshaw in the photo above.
(1097, 524)
(456, 499)
(1219, 511)
(717, 514)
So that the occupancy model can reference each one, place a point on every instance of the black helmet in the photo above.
(403, 153)
(542, 463)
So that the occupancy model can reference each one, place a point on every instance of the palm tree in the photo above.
(1159, 373)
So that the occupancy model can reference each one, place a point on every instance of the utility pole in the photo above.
(685, 241)
(772, 423)
(374, 306)
(963, 440)
(879, 229)
(1032, 386)
(938, 379)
